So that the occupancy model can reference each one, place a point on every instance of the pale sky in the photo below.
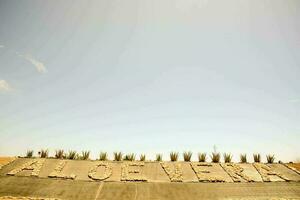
(150, 76)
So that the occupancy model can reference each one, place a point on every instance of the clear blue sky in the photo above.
(150, 76)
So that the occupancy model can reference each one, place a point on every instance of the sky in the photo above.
(150, 76)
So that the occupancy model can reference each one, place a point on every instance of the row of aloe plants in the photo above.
(118, 156)
(61, 154)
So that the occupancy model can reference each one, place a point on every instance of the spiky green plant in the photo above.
(187, 156)
(215, 157)
(85, 155)
(29, 153)
(129, 157)
(59, 154)
(103, 156)
(118, 156)
(174, 156)
(72, 155)
(158, 157)
(44, 153)
(227, 157)
(256, 157)
(142, 157)
(202, 157)
(270, 158)
(132, 157)
(243, 158)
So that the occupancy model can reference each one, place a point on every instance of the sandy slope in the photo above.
(78, 190)
(5, 160)
(68, 189)
(295, 165)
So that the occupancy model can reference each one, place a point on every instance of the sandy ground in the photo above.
(68, 189)
(5, 160)
(295, 165)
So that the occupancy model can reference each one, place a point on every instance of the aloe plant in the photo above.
(256, 157)
(187, 156)
(59, 154)
(103, 156)
(85, 155)
(174, 156)
(270, 158)
(118, 156)
(44, 153)
(243, 158)
(29, 153)
(227, 157)
(72, 155)
(215, 156)
(202, 157)
(158, 157)
(129, 157)
(142, 157)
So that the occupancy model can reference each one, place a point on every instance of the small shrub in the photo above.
(59, 154)
(227, 157)
(142, 157)
(215, 157)
(103, 156)
(158, 157)
(44, 153)
(129, 157)
(187, 156)
(29, 153)
(72, 155)
(118, 156)
(174, 156)
(270, 158)
(243, 158)
(202, 157)
(85, 155)
(256, 157)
